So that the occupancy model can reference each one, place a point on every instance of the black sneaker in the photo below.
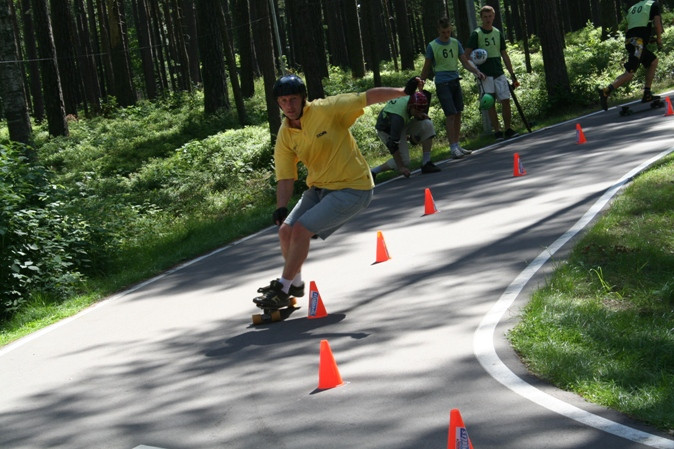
(274, 297)
(648, 97)
(498, 135)
(295, 290)
(603, 98)
(509, 133)
(430, 167)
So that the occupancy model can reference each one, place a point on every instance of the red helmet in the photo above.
(419, 100)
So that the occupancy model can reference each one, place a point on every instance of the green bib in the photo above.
(639, 14)
(490, 42)
(446, 56)
(398, 106)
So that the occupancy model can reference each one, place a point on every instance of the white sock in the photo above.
(297, 280)
(286, 284)
(425, 158)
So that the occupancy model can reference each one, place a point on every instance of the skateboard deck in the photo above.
(641, 107)
(274, 315)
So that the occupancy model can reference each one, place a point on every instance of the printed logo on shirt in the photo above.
(321, 134)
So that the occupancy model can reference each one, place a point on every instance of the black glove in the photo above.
(279, 215)
(412, 85)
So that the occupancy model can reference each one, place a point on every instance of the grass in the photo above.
(602, 326)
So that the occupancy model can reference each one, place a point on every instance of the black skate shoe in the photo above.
(649, 97)
(274, 297)
(295, 290)
(603, 98)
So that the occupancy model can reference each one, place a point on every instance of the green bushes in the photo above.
(43, 250)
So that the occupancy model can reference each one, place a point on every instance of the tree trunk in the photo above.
(371, 10)
(145, 44)
(552, 45)
(263, 36)
(337, 47)
(404, 36)
(33, 65)
(231, 65)
(308, 38)
(462, 27)
(190, 30)
(212, 58)
(11, 81)
(65, 42)
(245, 47)
(432, 10)
(608, 17)
(86, 60)
(353, 39)
(51, 84)
(124, 90)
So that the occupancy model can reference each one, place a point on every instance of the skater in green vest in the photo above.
(402, 122)
(442, 58)
(642, 18)
(492, 40)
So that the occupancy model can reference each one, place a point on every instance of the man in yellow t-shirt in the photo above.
(317, 134)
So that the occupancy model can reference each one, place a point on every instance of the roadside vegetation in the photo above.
(141, 189)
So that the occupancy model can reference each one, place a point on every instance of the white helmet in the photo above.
(478, 56)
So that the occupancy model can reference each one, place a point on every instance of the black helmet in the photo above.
(289, 85)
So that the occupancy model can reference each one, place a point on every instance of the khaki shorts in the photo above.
(324, 211)
(498, 86)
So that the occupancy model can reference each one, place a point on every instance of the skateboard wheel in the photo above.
(293, 301)
(257, 319)
(276, 315)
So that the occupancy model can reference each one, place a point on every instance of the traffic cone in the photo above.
(316, 307)
(580, 135)
(458, 435)
(429, 207)
(669, 110)
(518, 169)
(382, 252)
(328, 374)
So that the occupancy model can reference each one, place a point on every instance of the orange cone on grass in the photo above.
(580, 135)
(429, 205)
(328, 374)
(316, 307)
(669, 110)
(458, 435)
(518, 169)
(382, 252)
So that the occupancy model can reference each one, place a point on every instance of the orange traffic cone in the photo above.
(669, 110)
(458, 435)
(316, 307)
(518, 169)
(580, 135)
(429, 206)
(328, 374)
(382, 252)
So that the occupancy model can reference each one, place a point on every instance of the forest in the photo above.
(67, 58)
(139, 133)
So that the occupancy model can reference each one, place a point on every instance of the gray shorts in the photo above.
(324, 211)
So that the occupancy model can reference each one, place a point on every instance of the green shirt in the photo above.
(494, 42)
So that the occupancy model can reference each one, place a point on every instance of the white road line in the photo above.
(28, 338)
(483, 340)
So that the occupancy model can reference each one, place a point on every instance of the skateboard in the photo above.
(626, 110)
(272, 315)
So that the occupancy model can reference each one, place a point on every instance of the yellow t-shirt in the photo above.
(325, 145)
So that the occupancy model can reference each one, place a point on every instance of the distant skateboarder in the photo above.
(642, 18)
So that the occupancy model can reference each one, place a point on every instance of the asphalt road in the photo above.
(175, 362)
